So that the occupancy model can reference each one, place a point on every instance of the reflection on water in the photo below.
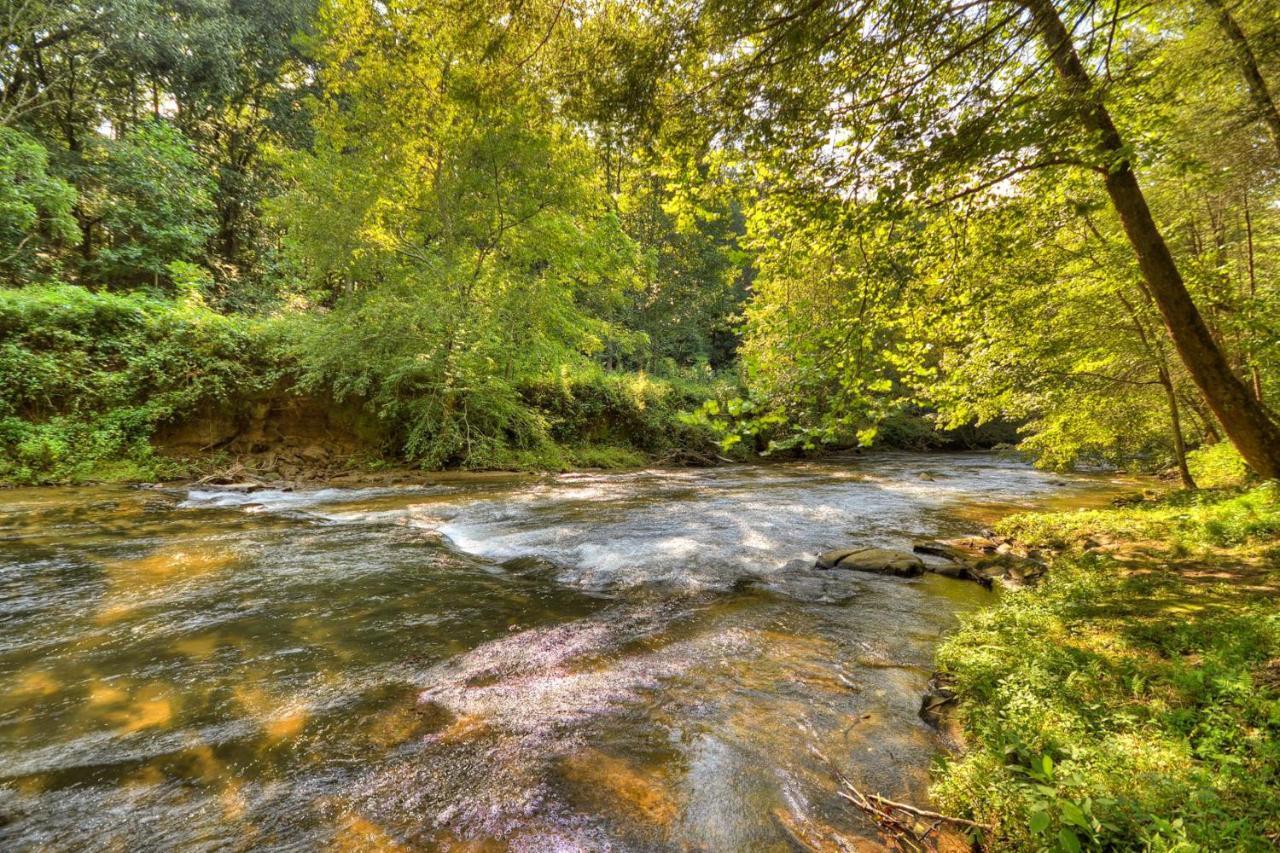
(579, 662)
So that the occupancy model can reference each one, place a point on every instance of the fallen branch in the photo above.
(925, 813)
(882, 810)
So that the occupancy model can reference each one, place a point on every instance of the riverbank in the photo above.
(1132, 699)
(126, 388)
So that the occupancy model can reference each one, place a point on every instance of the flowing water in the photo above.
(583, 662)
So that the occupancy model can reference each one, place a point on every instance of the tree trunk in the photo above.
(1175, 424)
(1151, 344)
(1243, 420)
(1251, 269)
(1209, 434)
(1258, 91)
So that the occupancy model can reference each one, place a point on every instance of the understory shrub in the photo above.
(86, 378)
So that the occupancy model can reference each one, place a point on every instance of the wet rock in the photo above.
(246, 487)
(950, 570)
(532, 565)
(939, 700)
(829, 559)
(314, 453)
(1013, 571)
(879, 561)
(943, 549)
(985, 561)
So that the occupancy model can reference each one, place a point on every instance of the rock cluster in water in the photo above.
(985, 559)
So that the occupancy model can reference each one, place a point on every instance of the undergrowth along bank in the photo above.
(1132, 700)
(89, 378)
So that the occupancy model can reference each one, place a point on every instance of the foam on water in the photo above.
(280, 500)
(694, 529)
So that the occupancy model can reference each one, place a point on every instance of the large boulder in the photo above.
(880, 561)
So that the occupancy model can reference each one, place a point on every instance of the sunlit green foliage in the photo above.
(448, 206)
(1217, 466)
(472, 229)
(86, 378)
(1117, 709)
(1212, 518)
(930, 223)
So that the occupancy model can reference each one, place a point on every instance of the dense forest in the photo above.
(266, 244)
(545, 234)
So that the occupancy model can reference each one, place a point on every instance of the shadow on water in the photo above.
(581, 662)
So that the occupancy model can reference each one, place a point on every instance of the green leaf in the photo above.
(1039, 821)
(1068, 841)
(1072, 814)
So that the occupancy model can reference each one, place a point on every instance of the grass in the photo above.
(1206, 521)
(1131, 701)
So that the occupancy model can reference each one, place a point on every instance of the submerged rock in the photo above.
(805, 583)
(879, 561)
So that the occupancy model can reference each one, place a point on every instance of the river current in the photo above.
(629, 661)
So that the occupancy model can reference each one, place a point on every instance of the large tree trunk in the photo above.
(1258, 91)
(1244, 421)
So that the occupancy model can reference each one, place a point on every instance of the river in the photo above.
(581, 662)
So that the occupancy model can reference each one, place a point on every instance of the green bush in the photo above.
(627, 410)
(1113, 712)
(86, 378)
(1217, 466)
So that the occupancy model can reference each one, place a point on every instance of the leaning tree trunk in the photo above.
(1244, 421)
(1258, 91)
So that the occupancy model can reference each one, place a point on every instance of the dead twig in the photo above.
(925, 813)
(898, 821)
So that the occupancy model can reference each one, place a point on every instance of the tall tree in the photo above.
(1245, 421)
(1247, 61)
(462, 235)
(916, 103)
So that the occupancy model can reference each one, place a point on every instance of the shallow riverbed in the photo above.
(590, 661)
